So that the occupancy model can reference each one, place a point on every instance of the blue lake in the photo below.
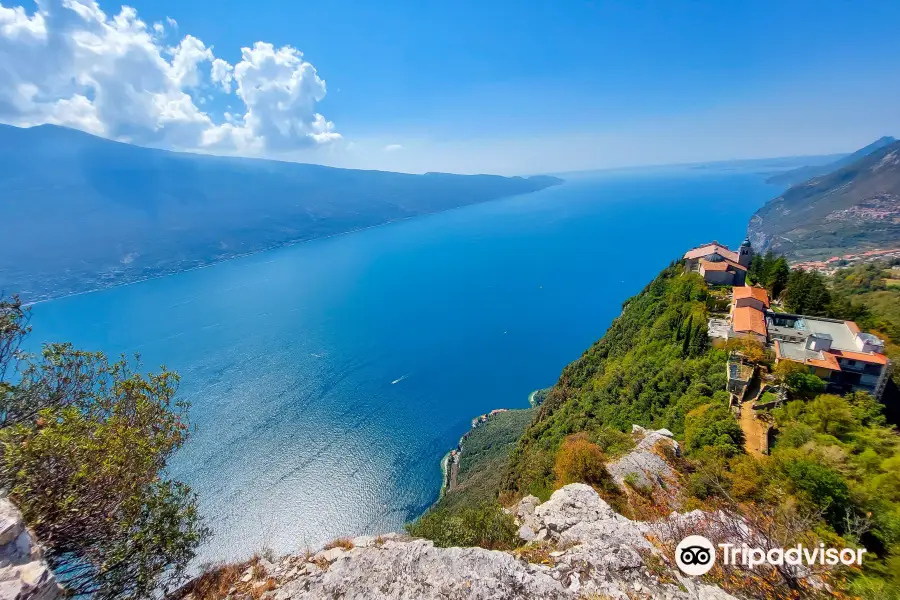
(328, 379)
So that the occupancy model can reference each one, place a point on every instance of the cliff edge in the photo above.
(584, 550)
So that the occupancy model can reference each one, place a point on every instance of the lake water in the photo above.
(328, 379)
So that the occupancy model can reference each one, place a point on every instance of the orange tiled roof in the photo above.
(714, 266)
(747, 318)
(828, 361)
(746, 291)
(722, 265)
(853, 327)
(713, 248)
(874, 358)
(736, 265)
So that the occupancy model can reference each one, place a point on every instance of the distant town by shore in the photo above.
(838, 262)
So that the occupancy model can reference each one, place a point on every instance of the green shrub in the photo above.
(804, 385)
(713, 427)
(83, 450)
(823, 487)
(486, 526)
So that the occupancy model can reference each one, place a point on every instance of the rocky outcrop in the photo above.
(645, 466)
(580, 548)
(23, 575)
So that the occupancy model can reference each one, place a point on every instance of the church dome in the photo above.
(745, 243)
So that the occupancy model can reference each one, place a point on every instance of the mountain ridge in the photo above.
(143, 212)
(805, 173)
(856, 207)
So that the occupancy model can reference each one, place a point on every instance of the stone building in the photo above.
(718, 265)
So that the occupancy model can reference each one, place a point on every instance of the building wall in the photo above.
(751, 302)
(690, 265)
(749, 334)
(717, 277)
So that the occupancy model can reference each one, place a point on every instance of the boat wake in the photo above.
(396, 381)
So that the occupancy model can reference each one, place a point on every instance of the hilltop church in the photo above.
(718, 265)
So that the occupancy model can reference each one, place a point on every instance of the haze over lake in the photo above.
(328, 379)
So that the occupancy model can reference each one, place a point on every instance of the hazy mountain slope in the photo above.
(856, 207)
(801, 174)
(80, 211)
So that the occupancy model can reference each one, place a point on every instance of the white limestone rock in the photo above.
(416, 570)
(23, 575)
(644, 463)
(597, 551)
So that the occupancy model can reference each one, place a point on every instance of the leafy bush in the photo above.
(804, 385)
(831, 414)
(823, 486)
(487, 526)
(83, 449)
(580, 461)
(713, 427)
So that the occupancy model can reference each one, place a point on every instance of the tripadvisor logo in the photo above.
(695, 555)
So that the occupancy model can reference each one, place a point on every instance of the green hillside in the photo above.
(799, 175)
(830, 475)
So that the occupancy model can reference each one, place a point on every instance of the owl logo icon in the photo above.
(695, 555)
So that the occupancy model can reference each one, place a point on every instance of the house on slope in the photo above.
(718, 265)
(748, 313)
(836, 351)
(847, 359)
(749, 296)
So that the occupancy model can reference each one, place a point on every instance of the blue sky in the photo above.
(531, 86)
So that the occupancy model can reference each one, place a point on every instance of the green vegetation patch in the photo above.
(470, 513)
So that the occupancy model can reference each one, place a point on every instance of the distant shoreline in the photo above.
(280, 245)
(218, 261)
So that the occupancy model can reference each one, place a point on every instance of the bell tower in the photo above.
(745, 253)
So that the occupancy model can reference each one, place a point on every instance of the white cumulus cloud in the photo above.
(71, 64)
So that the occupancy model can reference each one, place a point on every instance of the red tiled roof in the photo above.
(714, 266)
(736, 265)
(828, 361)
(853, 327)
(721, 265)
(746, 291)
(747, 318)
(713, 248)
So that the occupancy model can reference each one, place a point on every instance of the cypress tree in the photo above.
(688, 330)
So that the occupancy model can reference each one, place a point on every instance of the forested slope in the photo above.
(651, 368)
